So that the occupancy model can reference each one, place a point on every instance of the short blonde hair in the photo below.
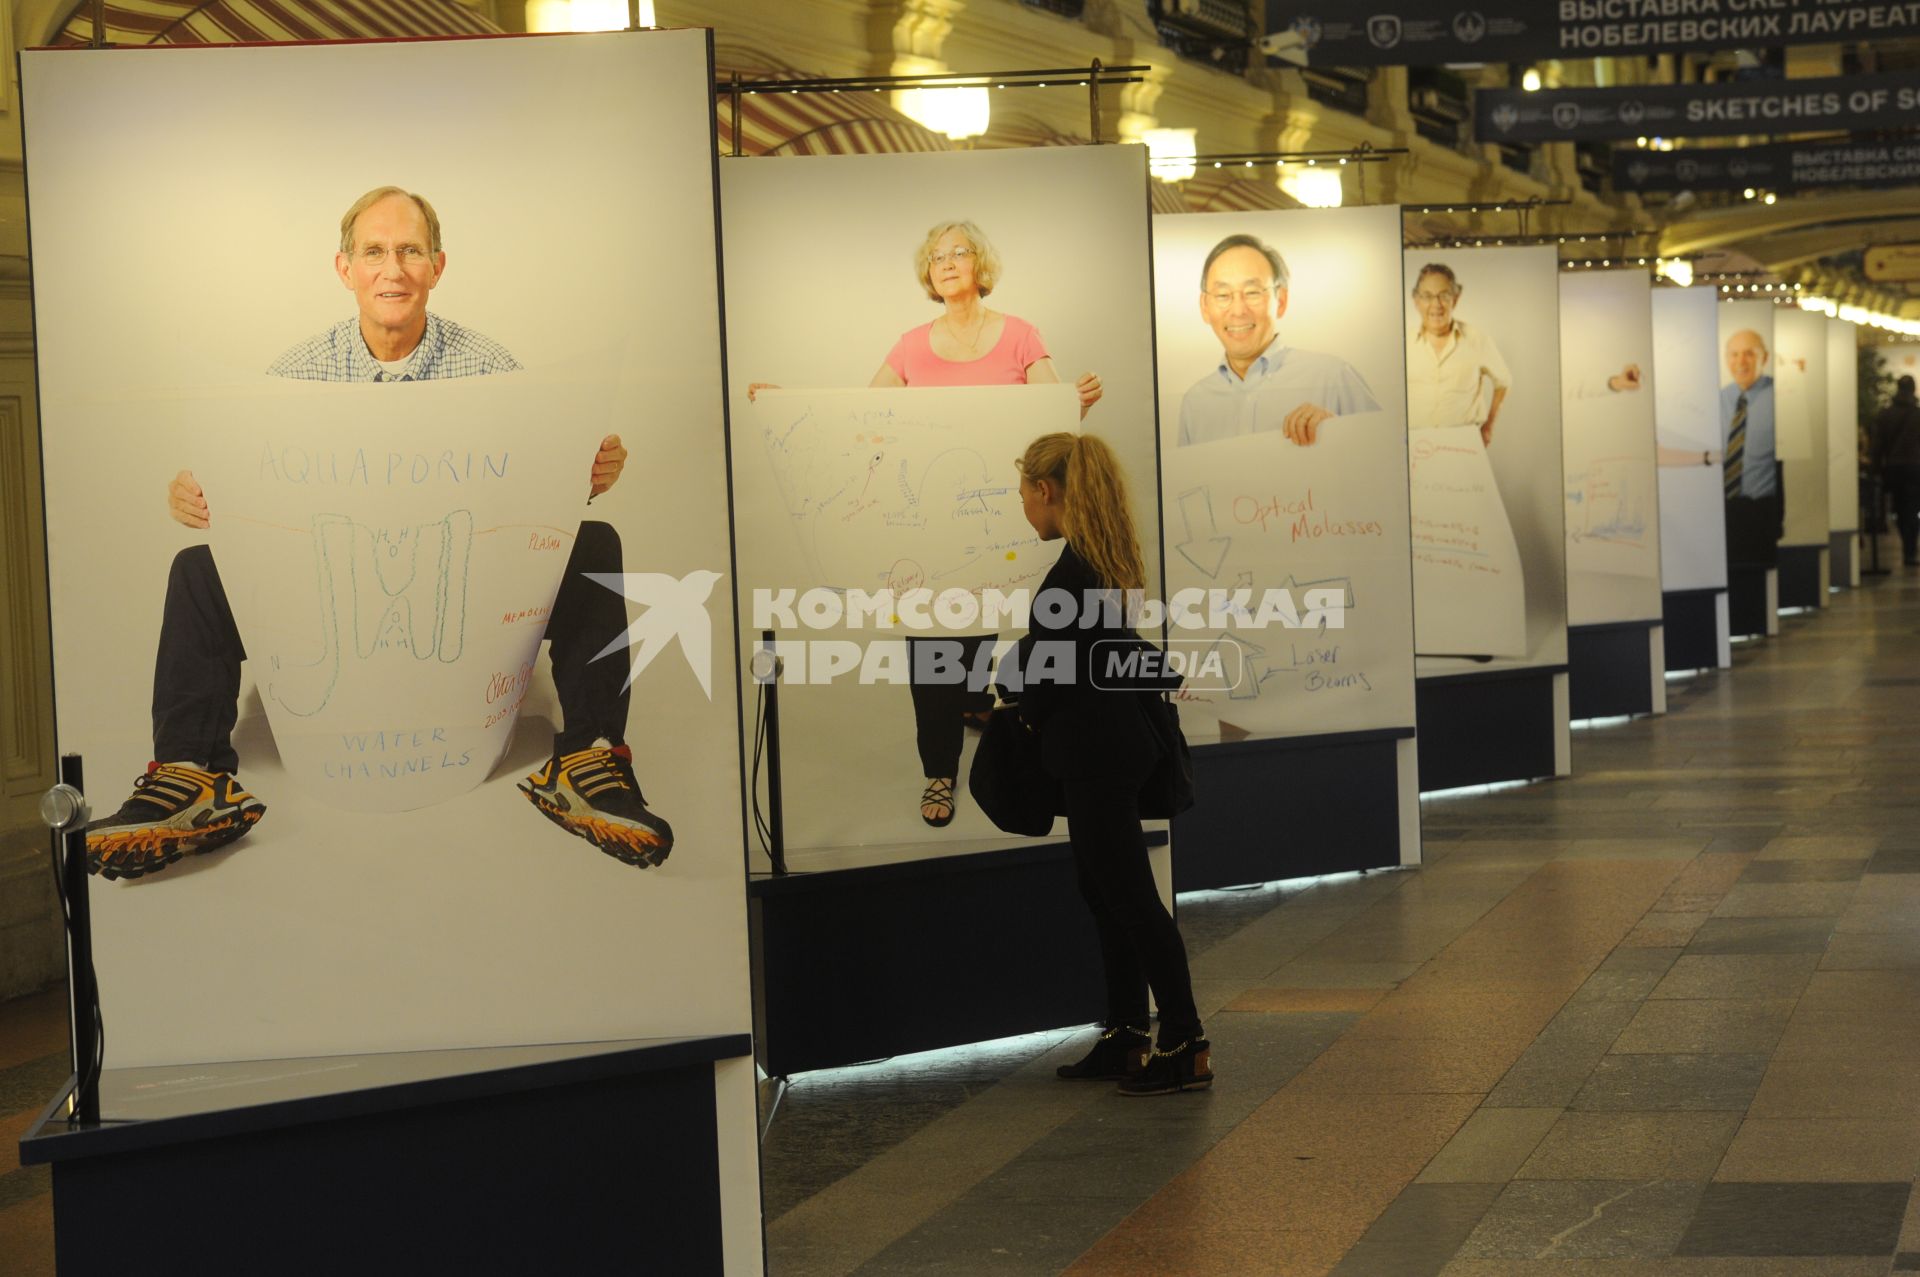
(373, 197)
(986, 266)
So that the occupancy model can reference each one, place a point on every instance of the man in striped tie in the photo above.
(1750, 470)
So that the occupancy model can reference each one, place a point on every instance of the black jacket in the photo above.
(1896, 434)
(1077, 687)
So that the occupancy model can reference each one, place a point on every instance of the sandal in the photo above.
(938, 794)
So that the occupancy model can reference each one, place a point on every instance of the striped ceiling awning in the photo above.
(1224, 190)
(1166, 197)
(146, 22)
(854, 122)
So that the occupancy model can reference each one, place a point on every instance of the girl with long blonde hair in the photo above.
(1096, 739)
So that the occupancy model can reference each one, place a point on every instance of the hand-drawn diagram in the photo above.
(1278, 545)
(905, 489)
(382, 591)
(392, 615)
(1469, 594)
(1612, 498)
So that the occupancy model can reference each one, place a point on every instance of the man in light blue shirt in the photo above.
(1261, 384)
(1749, 467)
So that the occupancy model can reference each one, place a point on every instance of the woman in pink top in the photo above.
(967, 345)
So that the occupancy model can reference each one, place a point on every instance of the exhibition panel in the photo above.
(947, 309)
(1752, 448)
(1489, 510)
(1845, 450)
(1803, 403)
(1284, 456)
(436, 838)
(1693, 525)
(1615, 651)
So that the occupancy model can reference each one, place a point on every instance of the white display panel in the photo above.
(1686, 398)
(180, 251)
(1843, 426)
(1801, 362)
(1607, 377)
(1507, 348)
(1251, 506)
(821, 285)
(1898, 359)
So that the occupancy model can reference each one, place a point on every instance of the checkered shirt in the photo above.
(445, 350)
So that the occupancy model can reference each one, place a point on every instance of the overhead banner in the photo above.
(1848, 104)
(1431, 32)
(1785, 167)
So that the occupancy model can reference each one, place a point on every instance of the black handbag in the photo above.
(1007, 780)
(1168, 789)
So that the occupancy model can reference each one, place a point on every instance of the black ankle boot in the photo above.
(1119, 1052)
(1186, 1067)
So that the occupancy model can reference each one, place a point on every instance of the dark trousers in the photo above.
(1754, 525)
(1139, 944)
(1902, 483)
(939, 706)
(196, 673)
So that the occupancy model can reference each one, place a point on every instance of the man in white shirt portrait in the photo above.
(1456, 376)
(1261, 384)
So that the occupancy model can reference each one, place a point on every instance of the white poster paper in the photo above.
(1802, 372)
(1843, 426)
(900, 490)
(1483, 350)
(1254, 505)
(1686, 397)
(1613, 508)
(390, 598)
(1468, 583)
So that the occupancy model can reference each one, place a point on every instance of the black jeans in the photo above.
(196, 673)
(939, 727)
(1139, 944)
(1902, 483)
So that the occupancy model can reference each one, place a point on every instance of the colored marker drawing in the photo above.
(382, 593)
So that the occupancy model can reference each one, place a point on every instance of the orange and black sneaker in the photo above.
(592, 793)
(177, 809)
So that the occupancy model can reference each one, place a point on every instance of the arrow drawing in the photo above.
(1196, 511)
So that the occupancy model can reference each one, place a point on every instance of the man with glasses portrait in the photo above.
(1261, 384)
(189, 801)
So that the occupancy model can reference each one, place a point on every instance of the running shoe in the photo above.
(591, 793)
(177, 809)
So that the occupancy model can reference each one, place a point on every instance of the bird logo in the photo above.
(676, 608)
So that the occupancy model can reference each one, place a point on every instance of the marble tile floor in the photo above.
(1659, 1017)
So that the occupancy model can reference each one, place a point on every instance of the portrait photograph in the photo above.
(899, 328)
(1283, 428)
(389, 541)
(1608, 397)
(1483, 421)
(1686, 404)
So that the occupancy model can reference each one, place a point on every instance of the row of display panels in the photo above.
(1450, 452)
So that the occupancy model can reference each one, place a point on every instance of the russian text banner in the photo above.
(1430, 32)
(1784, 167)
